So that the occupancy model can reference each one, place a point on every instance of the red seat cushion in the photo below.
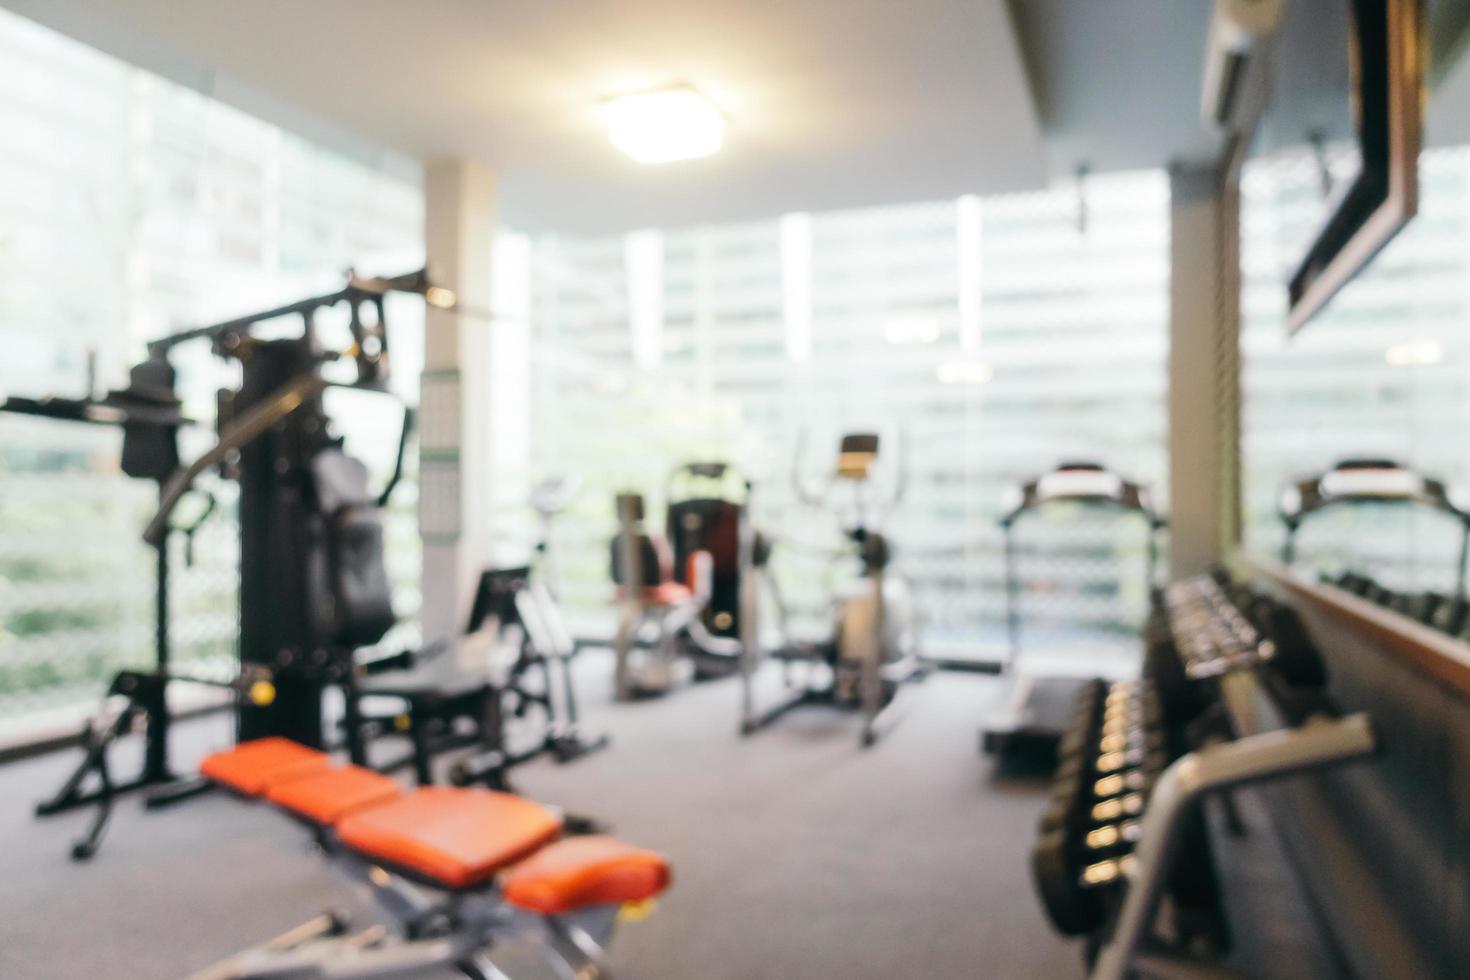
(328, 796)
(255, 766)
(667, 594)
(454, 837)
(581, 871)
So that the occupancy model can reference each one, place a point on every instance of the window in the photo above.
(1381, 373)
(1052, 340)
(130, 207)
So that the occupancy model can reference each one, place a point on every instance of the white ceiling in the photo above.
(830, 103)
(1118, 81)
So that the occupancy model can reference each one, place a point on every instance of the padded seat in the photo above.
(452, 837)
(666, 594)
(326, 797)
(255, 766)
(582, 871)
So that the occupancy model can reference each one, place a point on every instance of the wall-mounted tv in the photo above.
(1382, 63)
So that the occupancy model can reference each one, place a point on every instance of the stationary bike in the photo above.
(872, 650)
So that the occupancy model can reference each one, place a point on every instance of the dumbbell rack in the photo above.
(1188, 781)
(1141, 809)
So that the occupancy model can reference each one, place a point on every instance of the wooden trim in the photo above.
(1442, 657)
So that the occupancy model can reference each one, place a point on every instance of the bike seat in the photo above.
(666, 594)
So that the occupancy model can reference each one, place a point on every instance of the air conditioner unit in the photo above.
(1239, 30)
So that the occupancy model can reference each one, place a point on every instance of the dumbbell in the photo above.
(1109, 870)
(1402, 602)
(1072, 880)
(1112, 839)
(1118, 807)
(1449, 617)
(1424, 606)
(1296, 659)
(1073, 906)
(1378, 594)
(1137, 758)
(1126, 781)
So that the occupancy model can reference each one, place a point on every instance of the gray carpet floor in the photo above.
(796, 853)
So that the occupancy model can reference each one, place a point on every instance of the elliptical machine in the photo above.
(873, 647)
(684, 616)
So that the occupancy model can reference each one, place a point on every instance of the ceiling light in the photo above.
(911, 329)
(966, 372)
(1412, 352)
(660, 127)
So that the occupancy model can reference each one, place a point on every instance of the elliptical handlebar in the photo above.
(803, 491)
(857, 458)
(1084, 483)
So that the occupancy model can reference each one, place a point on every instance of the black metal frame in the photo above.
(270, 429)
(275, 418)
(150, 417)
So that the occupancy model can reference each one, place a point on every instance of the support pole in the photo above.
(456, 485)
(1204, 370)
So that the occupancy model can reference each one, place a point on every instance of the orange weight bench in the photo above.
(455, 870)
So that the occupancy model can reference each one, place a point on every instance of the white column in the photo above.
(455, 427)
(1204, 371)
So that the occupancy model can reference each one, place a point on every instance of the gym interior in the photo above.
(734, 491)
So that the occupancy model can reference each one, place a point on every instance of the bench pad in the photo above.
(581, 871)
(454, 837)
(326, 797)
(255, 766)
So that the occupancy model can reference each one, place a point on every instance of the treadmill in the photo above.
(1039, 706)
(1369, 481)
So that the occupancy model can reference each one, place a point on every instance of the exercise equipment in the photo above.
(1124, 836)
(1358, 482)
(149, 413)
(1448, 614)
(872, 650)
(464, 680)
(519, 601)
(1036, 711)
(454, 872)
(549, 499)
(684, 615)
(314, 586)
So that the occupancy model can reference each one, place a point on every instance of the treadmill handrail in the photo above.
(1130, 497)
(1311, 496)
